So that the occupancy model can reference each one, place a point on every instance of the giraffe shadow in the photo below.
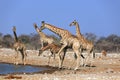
(90, 66)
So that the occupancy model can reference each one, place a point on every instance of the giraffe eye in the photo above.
(74, 23)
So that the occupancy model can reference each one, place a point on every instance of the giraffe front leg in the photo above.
(49, 59)
(16, 57)
(78, 60)
(42, 44)
(60, 59)
(76, 47)
(25, 55)
(40, 52)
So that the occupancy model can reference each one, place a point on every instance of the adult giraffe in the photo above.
(19, 47)
(86, 44)
(67, 39)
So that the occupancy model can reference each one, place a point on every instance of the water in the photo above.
(11, 68)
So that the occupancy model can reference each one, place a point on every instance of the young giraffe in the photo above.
(86, 45)
(19, 47)
(67, 39)
(54, 48)
(43, 38)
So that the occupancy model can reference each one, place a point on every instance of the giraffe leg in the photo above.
(60, 60)
(87, 58)
(62, 56)
(49, 57)
(78, 60)
(77, 50)
(40, 52)
(25, 55)
(83, 58)
(54, 59)
(42, 44)
(16, 57)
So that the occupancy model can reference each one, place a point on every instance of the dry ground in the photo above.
(107, 68)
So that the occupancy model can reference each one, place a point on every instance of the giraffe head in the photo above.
(36, 27)
(73, 23)
(14, 28)
(42, 25)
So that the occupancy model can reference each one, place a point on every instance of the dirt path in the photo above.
(107, 68)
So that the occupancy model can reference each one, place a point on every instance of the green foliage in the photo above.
(90, 36)
(110, 43)
(7, 41)
(24, 38)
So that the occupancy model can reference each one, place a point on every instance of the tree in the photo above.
(7, 41)
(35, 41)
(90, 36)
(113, 39)
(110, 43)
(1, 35)
(24, 38)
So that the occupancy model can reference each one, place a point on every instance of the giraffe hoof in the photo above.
(76, 69)
(16, 63)
(85, 65)
(60, 67)
(24, 63)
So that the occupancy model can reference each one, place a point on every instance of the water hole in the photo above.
(6, 68)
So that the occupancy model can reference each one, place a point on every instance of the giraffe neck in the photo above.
(78, 33)
(61, 32)
(42, 34)
(15, 36)
(46, 47)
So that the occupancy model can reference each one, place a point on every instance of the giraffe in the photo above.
(54, 48)
(43, 38)
(104, 53)
(86, 44)
(19, 47)
(67, 39)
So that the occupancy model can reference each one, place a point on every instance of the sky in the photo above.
(101, 17)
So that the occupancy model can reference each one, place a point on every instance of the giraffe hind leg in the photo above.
(87, 59)
(23, 56)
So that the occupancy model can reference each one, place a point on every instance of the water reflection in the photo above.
(11, 68)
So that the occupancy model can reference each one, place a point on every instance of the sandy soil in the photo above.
(107, 68)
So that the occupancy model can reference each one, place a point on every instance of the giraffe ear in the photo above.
(42, 21)
(35, 25)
